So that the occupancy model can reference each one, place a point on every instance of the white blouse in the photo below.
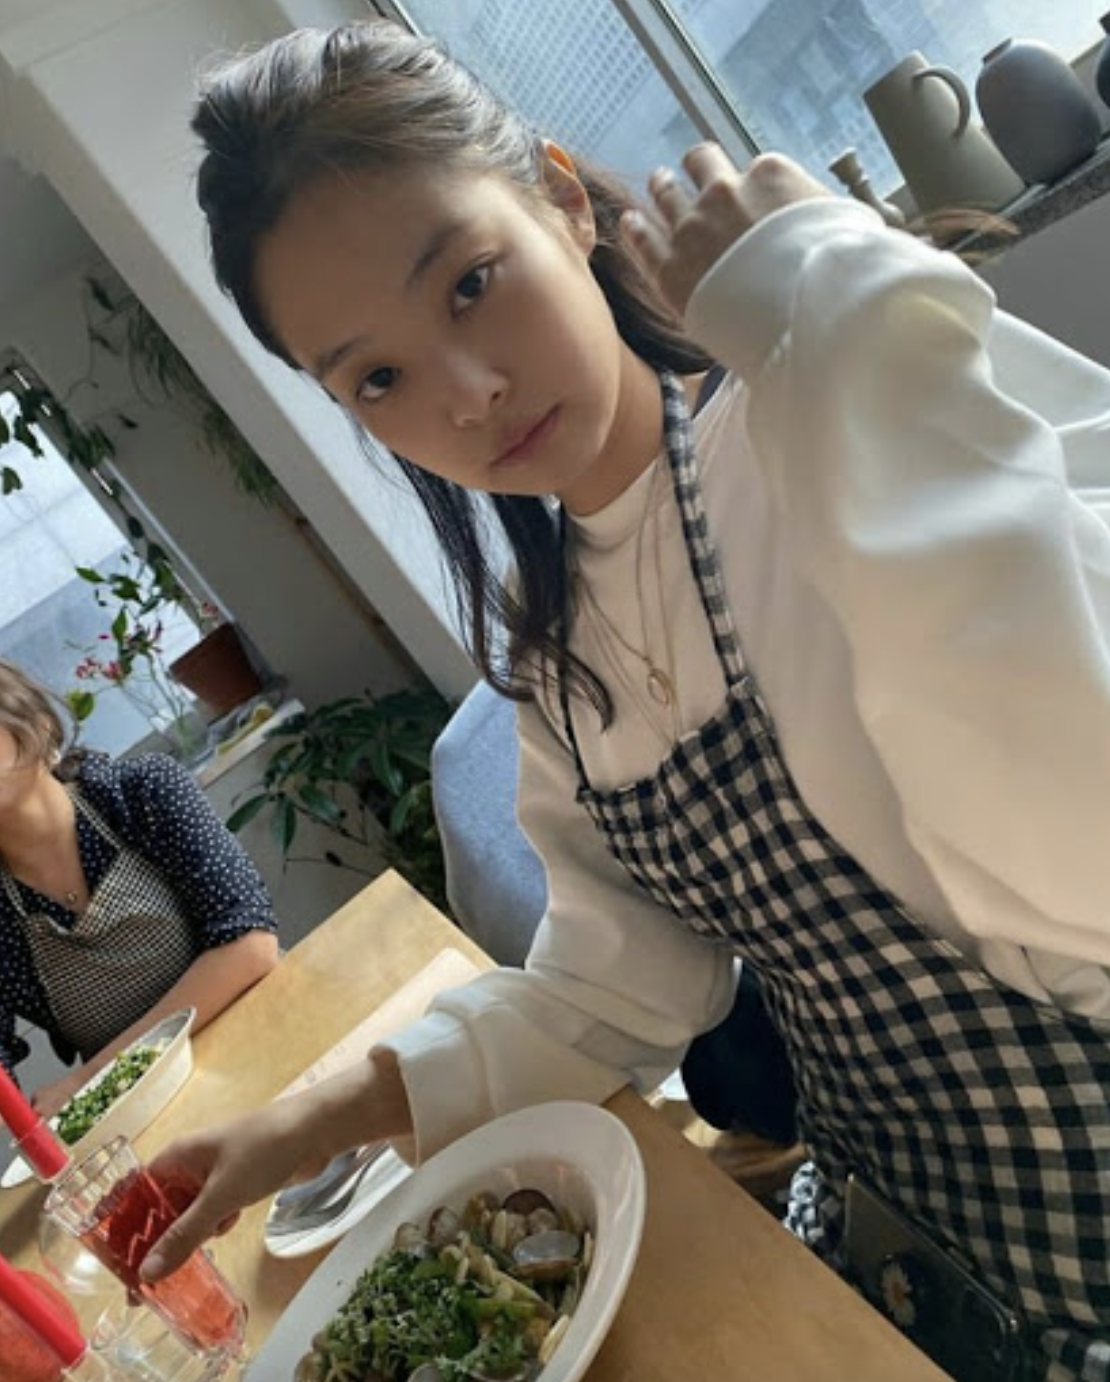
(909, 492)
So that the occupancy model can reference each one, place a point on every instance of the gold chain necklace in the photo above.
(658, 680)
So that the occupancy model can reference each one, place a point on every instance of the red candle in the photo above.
(35, 1140)
(41, 1316)
(23, 1355)
(14, 1107)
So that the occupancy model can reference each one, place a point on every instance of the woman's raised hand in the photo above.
(686, 232)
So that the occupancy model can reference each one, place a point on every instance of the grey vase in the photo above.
(1102, 70)
(1036, 110)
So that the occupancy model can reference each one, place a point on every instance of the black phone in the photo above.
(928, 1293)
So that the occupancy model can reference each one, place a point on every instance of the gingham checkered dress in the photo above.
(984, 1115)
(131, 944)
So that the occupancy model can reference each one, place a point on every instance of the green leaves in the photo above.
(359, 766)
(23, 433)
(81, 704)
(319, 805)
(243, 815)
(283, 823)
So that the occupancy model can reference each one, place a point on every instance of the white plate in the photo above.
(146, 1098)
(385, 1175)
(578, 1155)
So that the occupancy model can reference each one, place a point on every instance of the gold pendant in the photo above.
(660, 687)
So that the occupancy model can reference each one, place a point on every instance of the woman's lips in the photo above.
(527, 441)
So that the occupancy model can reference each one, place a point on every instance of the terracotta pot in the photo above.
(218, 671)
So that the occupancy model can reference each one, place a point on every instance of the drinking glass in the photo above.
(75, 1269)
(118, 1211)
(137, 1344)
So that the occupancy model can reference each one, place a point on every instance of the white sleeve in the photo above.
(613, 990)
(943, 475)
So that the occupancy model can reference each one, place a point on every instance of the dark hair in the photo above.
(373, 95)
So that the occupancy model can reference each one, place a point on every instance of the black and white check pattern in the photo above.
(984, 1115)
(117, 959)
(153, 807)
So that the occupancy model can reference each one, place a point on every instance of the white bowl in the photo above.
(139, 1105)
(578, 1155)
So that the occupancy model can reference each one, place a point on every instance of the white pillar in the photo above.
(96, 95)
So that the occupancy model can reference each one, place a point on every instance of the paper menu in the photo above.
(449, 969)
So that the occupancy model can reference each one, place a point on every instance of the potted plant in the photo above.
(361, 766)
(218, 670)
(137, 596)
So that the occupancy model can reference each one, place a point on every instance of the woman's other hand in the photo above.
(686, 232)
(49, 1098)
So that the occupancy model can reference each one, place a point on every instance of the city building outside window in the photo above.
(796, 70)
(792, 72)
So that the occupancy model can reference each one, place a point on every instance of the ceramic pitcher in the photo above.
(924, 114)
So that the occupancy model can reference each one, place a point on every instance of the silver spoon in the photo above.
(315, 1218)
(328, 1192)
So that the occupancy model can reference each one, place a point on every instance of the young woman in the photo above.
(122, 895)
(811, 650)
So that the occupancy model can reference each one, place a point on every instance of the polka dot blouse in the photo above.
(153, 805)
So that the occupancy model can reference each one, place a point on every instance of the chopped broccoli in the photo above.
(87, 1107)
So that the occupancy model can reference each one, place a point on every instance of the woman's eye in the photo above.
(472, 285)
(376, 384)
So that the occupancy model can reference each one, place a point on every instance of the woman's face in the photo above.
(457, 318)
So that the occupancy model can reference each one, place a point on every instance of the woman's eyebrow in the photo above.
(328, 360)
(434, 248)
(438, 242)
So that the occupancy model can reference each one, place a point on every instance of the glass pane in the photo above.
(49, 618)
(575, 69)
(796, 69)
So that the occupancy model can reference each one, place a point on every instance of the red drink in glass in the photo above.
(119, 1211)
(195, 1299)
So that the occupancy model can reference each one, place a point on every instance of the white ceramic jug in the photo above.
(924, 114)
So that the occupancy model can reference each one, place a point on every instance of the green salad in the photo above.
(90, 1105)
(487, 1295)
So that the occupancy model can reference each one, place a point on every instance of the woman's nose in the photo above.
(474, 390)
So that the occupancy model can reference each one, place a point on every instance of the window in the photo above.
(575, 69)
(49, 618)
(787, 74)
(796, 69)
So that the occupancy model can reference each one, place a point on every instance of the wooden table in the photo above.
(720, 1290)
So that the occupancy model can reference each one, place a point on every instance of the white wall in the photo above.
(40, 237)
(306, 625)
(120, 154)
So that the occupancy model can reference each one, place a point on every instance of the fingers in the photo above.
(228, 1222)
(651, 234)
(706, 162)
(675, 241)
(181, 1240)
(689, 227)
(181, 1172)
(649, 243)
(671, 199)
